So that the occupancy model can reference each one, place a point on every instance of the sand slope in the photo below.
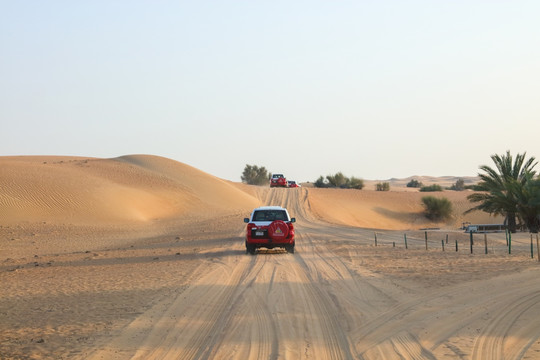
(393, 210)
(141, 188)
(129, 188)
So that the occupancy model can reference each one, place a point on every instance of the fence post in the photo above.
(532, 249)
(509, 243)
(537, 247)
(442, 242)
(405, 237)
(447, 238)
(485, 242)
(456, 246)
(375, 239)
(471, 241)
(426, 240)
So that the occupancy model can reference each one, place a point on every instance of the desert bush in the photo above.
(255, 175)
(383, 186)
(459, 185)
(356, 183)
(437, 208)
(339, 180)
(431, 188)
(414, 184)
(320, 182)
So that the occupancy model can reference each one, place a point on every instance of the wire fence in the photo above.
(499, 243)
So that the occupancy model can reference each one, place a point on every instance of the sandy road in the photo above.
(319, 304)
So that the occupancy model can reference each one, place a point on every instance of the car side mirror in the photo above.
(293, 219)
(246, 220)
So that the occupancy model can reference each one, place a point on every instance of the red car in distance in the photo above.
(278, 180)
(292, 184)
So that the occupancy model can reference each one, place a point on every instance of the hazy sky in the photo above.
(375, 89)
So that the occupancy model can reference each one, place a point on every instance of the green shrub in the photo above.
(255, 175)
(320, 182)
(431, 188)
(414, 183)
(383, 186)
(356, 183)
(339, 181)
(459, 185)
(437, 208)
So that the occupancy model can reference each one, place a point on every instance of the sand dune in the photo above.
(142, 188)
(395, 210)
(142, 257)
(129, 188)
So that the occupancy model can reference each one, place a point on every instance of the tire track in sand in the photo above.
(315, 305)
(287, 297)
(510, 334)
(187, 327)
(417, 327)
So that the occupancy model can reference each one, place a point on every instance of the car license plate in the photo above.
(259, 233)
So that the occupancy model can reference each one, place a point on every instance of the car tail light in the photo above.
(291, 229)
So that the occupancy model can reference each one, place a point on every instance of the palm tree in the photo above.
(498, 196)
(527, 196)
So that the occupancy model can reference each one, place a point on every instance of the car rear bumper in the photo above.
(270, 242)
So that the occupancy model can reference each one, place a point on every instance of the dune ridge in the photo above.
(90, 190)
(140, 188)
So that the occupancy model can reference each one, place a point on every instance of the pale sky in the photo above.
(374, 89)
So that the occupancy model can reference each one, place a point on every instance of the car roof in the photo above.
(269, 208)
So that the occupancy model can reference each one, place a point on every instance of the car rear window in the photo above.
(270, 215)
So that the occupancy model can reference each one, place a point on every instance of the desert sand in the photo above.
(142, 257)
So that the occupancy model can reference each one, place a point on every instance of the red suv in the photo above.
(278, 180)
(292, 184)
(269, 227)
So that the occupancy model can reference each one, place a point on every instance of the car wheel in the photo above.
(290, 249)
(250, 249)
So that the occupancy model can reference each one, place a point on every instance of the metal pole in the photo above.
(532, 249)
(405, 237)
(485, 242)
(537, 247)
